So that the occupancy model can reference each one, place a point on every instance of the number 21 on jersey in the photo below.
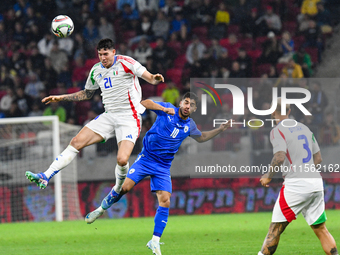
(107, 83)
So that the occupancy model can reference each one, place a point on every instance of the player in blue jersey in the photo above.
(160, 143)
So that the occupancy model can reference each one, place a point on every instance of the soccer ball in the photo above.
(62, 26)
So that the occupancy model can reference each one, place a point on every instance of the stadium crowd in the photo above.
(272, 39)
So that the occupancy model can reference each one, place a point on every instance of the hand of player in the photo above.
(225, 126)
(158, 78)
(170, 111)
(51, 99)
(265, 180)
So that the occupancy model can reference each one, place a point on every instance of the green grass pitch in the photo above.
(206, 234)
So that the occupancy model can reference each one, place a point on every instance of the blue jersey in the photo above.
(163, 139)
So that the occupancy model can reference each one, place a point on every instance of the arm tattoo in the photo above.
(79, 96)
(273, 237)
(277, 161)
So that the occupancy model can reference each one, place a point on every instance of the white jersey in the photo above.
(300, 145)
(119, 84)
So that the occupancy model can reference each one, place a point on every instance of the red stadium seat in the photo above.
(290, 26)
(254, 54)
(160, 88)
(149, 90)
(153, 45)
(81, 109)
(127, 35)
(247, 43)
(73, 90)
(233, 29)
(180, 61)
(262, 69)
(176, 46)
(201, 32)
(91, 62)
(313, 52)
(279, 67)
(2, 93)
(298, 41)
(175, 75)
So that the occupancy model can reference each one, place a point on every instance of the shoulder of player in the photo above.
(125, 59)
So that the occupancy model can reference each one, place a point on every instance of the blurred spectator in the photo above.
(249, 27)
(171, 8)
(65, 77)
(79, 73)
(313, 37)
(293, 70)
(79, 46)
(66, 44)
(24, 101)
(163, 56)
(305, 61)
(5, 77)
(241, 12)
(150, 6)
(3, 58)
(129, 15)
(171, 93)
(201, 67)
(90, 116)
(271, 50)
(34, 86)
(123, 50)
(3, 34)
(272, 72)
(18, 62)
(36, 111)
(14, 110)
(142, 51)
(270, 21)
(90, 33)
(161, 26)
(6, 100)
(195, 50)
(55, 109)
(122, 3)
(309, 7)
(216, 49)
(21, 7)
(206, 13)
(97, 104)
(236, 71)
(329, 131)
(287, 46)
(36, 58)
(151, 66)
(58, 58)
(48, 75)
(222, 20)
(178, 23)
(224, 61)
(19, 33)
(245, 62)
(106, 29)
(143, 29)
(318, 102)
(323, 18)
(45, 44)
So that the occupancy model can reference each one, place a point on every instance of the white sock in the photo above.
(156, 238)
(260, 253)
(120, 172)
(63, 160)
(100, 209)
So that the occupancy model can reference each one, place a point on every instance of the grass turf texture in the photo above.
(206, 234)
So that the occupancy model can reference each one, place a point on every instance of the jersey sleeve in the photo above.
(278, 141)
(315, 145)
(91, 83)
(194, 131)
(134, 66)
(164, 104)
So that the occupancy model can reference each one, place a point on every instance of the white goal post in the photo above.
(31, 144)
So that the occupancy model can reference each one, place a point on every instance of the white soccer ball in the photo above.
(62, 26)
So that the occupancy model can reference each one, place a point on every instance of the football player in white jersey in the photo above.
(297, 153)
(117, 77)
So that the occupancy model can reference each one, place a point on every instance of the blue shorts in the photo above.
(160, 173)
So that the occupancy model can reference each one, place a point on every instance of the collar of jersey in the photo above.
(114, 62)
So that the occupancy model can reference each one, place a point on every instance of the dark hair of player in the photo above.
(191, 95)
(105, 44)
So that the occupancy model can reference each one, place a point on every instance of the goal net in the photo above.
(31, 144)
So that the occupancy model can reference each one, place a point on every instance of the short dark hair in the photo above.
(190, 95)
(106, 43)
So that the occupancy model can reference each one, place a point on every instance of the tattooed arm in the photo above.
(277, 161)
(82, 95)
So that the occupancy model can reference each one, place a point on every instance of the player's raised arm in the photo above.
(82, 95)
(152, 78)
(207, 135)
(151, 105)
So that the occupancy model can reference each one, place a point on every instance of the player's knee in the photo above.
(122, 160)
(165, 202)
(76, 143)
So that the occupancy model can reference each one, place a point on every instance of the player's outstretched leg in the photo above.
(109, 200)
(84, 138)
(273, 237)
(161, 219)
(326, 239)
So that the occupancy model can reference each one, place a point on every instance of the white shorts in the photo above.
(289, 204)
(125, 127)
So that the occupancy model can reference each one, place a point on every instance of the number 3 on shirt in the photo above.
(174, 133)
(306, 147)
